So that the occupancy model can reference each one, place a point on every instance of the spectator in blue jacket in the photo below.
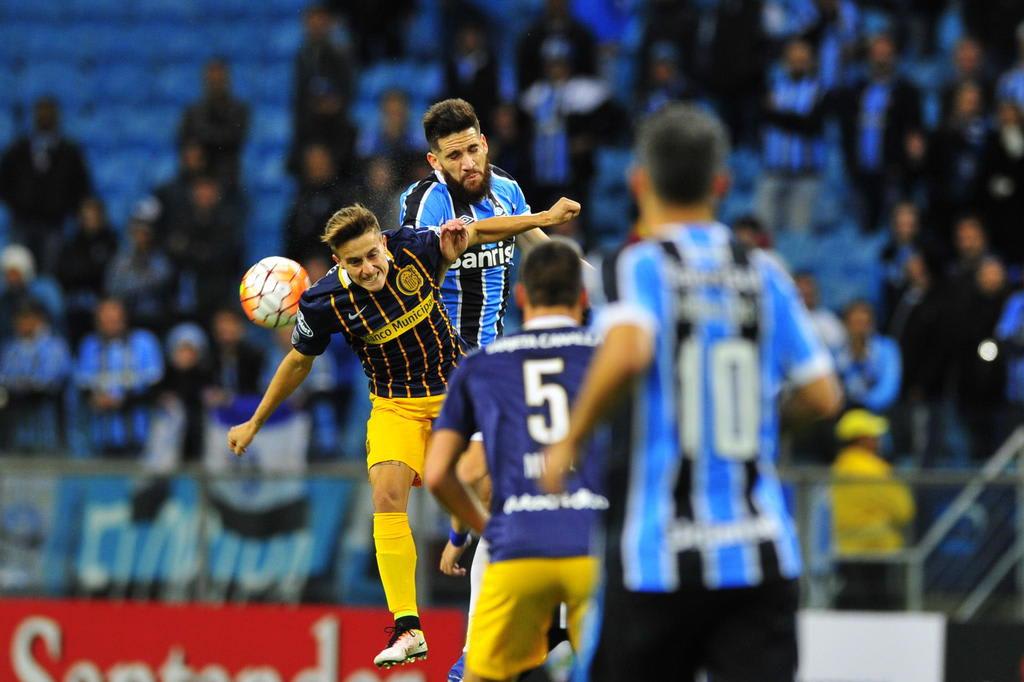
(116, 372)
(869, 363)
(792, 143)
(141, 275)
(19, 284)
(34, 367)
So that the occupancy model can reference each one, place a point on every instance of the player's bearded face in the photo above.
(365, 260)
(463, 162)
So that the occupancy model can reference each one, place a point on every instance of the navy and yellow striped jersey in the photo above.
(517, 392)
(475, 290)
(402, 333)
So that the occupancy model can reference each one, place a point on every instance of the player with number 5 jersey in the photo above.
(701, 334)
(517, 391)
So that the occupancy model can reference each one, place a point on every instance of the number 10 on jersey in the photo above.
(724, 380)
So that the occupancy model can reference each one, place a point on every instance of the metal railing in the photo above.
(920, 561)
(932, 570)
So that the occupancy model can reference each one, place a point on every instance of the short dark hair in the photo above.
(682, 148)
(551, 273)
(347, 224)
(447, 117)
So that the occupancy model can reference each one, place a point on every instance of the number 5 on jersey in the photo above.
(539, 393)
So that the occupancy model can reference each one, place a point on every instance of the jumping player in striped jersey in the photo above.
(382, 298)
(700, 337)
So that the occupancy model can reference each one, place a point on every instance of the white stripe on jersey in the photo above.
(423, 203)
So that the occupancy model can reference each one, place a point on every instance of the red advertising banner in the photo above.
(94, 641)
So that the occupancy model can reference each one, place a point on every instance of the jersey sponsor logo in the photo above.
(301, 326)
(402, 324)
(409, 280)
(686, 535)
(490, 258)
(582, 499)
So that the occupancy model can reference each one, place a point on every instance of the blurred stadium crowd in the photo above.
(152, 149)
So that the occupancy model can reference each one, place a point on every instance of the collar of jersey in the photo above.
(550, 322)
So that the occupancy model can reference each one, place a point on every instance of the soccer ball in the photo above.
(270, 291)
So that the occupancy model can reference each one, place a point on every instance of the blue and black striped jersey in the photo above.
(475, 290)
(402, 333)
(694, 496)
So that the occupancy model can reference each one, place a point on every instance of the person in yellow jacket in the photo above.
(870, 509)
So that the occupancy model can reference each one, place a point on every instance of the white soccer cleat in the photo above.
(404, 647)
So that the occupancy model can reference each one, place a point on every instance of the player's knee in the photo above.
(388, 498)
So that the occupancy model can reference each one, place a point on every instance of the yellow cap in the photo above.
(861, 424)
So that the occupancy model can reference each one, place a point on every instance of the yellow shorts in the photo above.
(398, 431)
(509, 631)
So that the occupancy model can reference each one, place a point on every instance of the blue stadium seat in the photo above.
(611, 165)
(102, 10)
(424, 80)
(35, 11)
(120, 203)
(745, 166)
(176, 10)
(120, 172)
(286, 8)
(8, 87)
(95, 42)
(13, 38)
(178, 84)
(123, 83)
(228, 9)
(246, 80)
(5, 223)
(149, 126)
(423, 34)
(284, 41)
(46, 41)
(7, 128)
(188, 44)
(266, 170)
(60, 79)
(239, 40)
(403, 75)
(271, 125)
(950, 30)
(278, 84)
(363, 113)
(162, 166)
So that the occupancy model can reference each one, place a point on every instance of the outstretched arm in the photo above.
(292, 371)
(502, 227)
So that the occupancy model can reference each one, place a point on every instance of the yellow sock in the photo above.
(396, 561)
